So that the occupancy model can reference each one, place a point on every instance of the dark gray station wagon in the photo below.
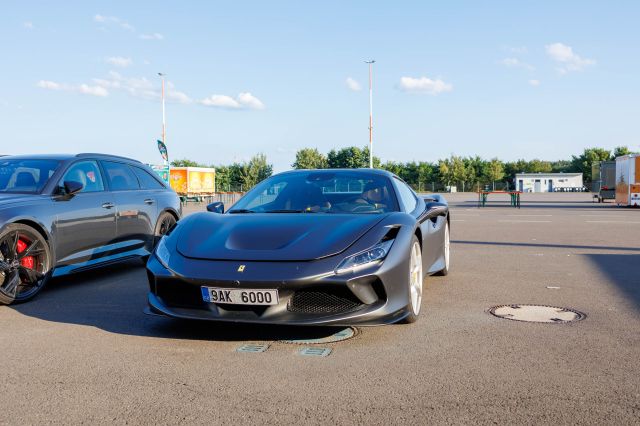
(61, 214)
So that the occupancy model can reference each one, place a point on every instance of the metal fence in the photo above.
(228, 198)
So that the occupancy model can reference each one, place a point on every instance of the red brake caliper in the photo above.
(26, 261)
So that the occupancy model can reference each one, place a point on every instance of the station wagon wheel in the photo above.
(164, 225)
(25, 263)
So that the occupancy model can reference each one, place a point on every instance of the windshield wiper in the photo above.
(234, 211)
(285, 211)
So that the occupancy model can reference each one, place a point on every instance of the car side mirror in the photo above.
(217, 207)
(72, 187)
(435, 209)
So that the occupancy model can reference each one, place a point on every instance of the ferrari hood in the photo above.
(271, 236)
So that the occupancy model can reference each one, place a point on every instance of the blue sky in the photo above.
(507, 79)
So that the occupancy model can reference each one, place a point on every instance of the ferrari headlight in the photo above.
(162, 252)
(375, 254)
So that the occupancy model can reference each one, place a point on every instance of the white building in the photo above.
(548, 182)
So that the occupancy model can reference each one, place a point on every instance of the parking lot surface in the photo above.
(84, 351)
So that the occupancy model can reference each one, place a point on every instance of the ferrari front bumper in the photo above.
(310, 293)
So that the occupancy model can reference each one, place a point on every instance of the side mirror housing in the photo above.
(72, 187)
(435, 209)
(217, 207)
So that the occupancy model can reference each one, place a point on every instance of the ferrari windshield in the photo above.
(24, 175)
(322, 191)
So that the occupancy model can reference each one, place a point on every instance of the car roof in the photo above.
(65, 157)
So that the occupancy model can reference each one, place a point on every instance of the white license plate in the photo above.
(236, 296)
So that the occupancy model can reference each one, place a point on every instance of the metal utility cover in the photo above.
(253, 348)
(314, 351)
(537, 313)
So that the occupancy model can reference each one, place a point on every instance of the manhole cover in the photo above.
(343, 334)
(537, 313)
(314, 351)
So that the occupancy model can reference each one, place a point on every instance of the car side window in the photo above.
(120, 176)
(406, 195)
(87, 173)
(147, 181)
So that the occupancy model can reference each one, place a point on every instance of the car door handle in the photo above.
(108, 205)
(149, 201)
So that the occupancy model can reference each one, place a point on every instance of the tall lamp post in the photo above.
(164, 125)
(371, 62)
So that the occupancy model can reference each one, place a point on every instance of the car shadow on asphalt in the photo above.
(113, 299)
(524, 203)
(621, 269)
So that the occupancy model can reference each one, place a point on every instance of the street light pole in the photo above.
(371, 62)
(164, 125)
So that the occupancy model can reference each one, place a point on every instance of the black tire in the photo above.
(413, 316)
(26, 263)
(166, 221)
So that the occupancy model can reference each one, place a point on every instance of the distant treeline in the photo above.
(463, 172)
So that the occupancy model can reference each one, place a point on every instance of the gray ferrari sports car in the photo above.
(67, 213)
(335, 247)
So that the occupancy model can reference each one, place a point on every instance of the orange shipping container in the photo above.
(193, 180)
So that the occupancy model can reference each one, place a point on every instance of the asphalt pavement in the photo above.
(84, 351)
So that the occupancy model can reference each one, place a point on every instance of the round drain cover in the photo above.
(537, 313)
(343, 334)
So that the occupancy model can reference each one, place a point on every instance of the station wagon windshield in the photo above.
(26, 176)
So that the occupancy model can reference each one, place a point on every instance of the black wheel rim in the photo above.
(24, 263)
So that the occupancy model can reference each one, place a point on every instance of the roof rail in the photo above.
(97, 154)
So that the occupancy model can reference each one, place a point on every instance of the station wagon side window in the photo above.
(120, 176)
(87, 173)
(147, 181)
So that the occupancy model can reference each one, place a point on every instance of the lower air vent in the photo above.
(323, 302)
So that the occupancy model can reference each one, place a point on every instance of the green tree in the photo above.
(350, 157)
(621, 150)
(582, 163)
(561, 166)
(513, 167)
(539, 166)
(494, 171)
(254, 171)
(310, 158)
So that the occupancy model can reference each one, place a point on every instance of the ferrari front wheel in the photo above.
(415, 280)
(446, 251)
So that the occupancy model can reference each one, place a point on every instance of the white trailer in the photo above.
(628, 180)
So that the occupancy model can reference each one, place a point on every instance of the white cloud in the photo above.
(244, 100)
(424, 85)
(534, 82)
(113, 20)
(566, 58)
(119, 61)
(353, 84)
(28, 25)
(142, 87)
(92, 90)
(516, 63)
(250, 101)
(220, 101)
(78, 88)
(154, 36)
